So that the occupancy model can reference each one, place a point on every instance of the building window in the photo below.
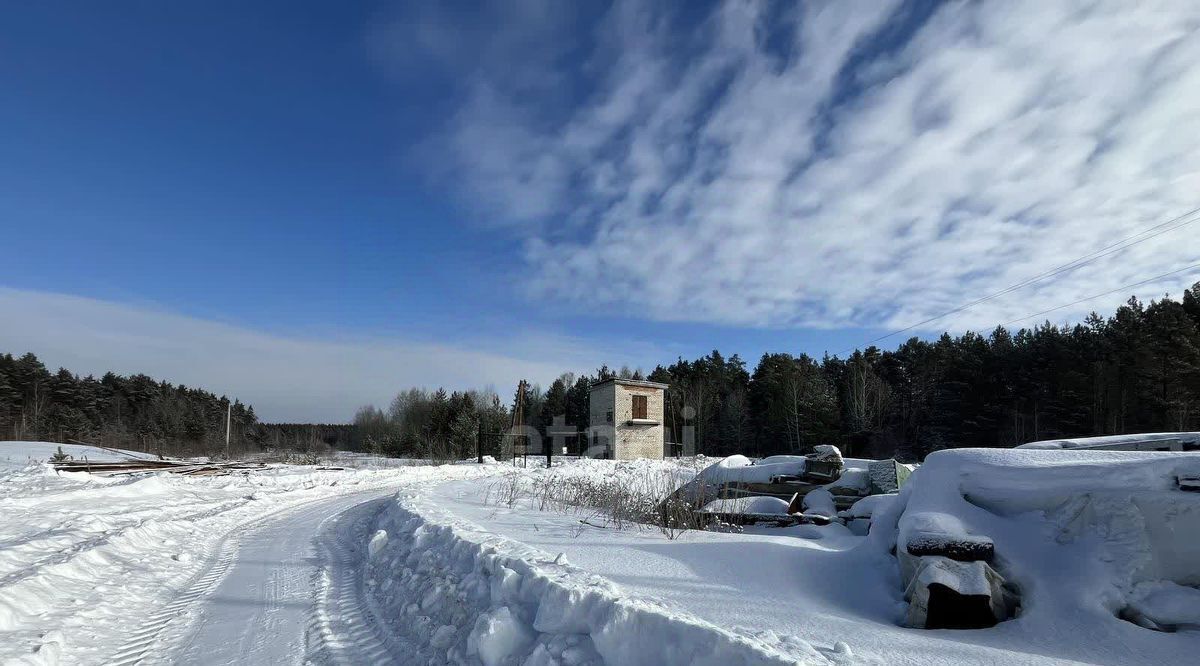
(639, 406)
(610, 416)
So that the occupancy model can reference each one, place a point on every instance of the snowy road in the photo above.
(261, 567)
(290, 593)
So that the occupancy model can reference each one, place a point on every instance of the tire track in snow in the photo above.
(148, 643)
(145, 639)
(347, 626)
(65, 554)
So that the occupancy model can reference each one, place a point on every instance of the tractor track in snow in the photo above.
(62, 554)
(145, 640)
(347, 626)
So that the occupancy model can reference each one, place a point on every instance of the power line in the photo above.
(1107, 293)
(1125, 243)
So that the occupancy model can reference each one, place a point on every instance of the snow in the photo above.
(738, 468)
(820, 503)
(16, 454)
(511, 603)
(427, 565)
(1076, 531)
(498, 636)
(856, 479)
(84, 559)
(858, 516)
(757, 505)
(1167, 604)
(868, 506)
(1149, 440)
(802, 594)
(742, 469)
(377, 542)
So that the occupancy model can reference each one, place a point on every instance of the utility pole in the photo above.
(518, 425)
(228, 420)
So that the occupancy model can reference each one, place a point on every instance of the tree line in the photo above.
(136, 412)
(144, 414)
(431, 424)
(1137, 370)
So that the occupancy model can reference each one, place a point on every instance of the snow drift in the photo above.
(466, 596)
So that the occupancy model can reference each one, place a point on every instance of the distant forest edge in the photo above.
(140, 413)
(1135, 371)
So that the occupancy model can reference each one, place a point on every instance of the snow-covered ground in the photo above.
(90, 566)
(484, 577)
(446, 565)
(20, 454)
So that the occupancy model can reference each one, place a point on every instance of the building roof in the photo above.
(629, 382)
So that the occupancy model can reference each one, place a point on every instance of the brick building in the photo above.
(627, 419)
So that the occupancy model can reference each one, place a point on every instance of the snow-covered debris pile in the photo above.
(738, 468)
(1077, 532)
(836, 481)
(1149, 441)
(459, 595)
(820, 467)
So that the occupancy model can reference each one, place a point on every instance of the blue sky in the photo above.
(483, 191)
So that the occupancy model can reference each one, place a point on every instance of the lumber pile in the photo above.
(141, 465)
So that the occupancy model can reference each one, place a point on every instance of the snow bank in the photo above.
(778, 588)
(463, 595)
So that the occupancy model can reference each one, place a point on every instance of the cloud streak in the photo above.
(284, 378)
(832, 166)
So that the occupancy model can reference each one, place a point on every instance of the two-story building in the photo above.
(627, 419)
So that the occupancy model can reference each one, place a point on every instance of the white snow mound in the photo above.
(512, 604)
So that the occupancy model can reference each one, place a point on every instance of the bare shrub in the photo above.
(629, 497)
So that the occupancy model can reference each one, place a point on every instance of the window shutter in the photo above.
(639, 406)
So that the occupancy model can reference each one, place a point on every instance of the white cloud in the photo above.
(284, 378)
(707, 177)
